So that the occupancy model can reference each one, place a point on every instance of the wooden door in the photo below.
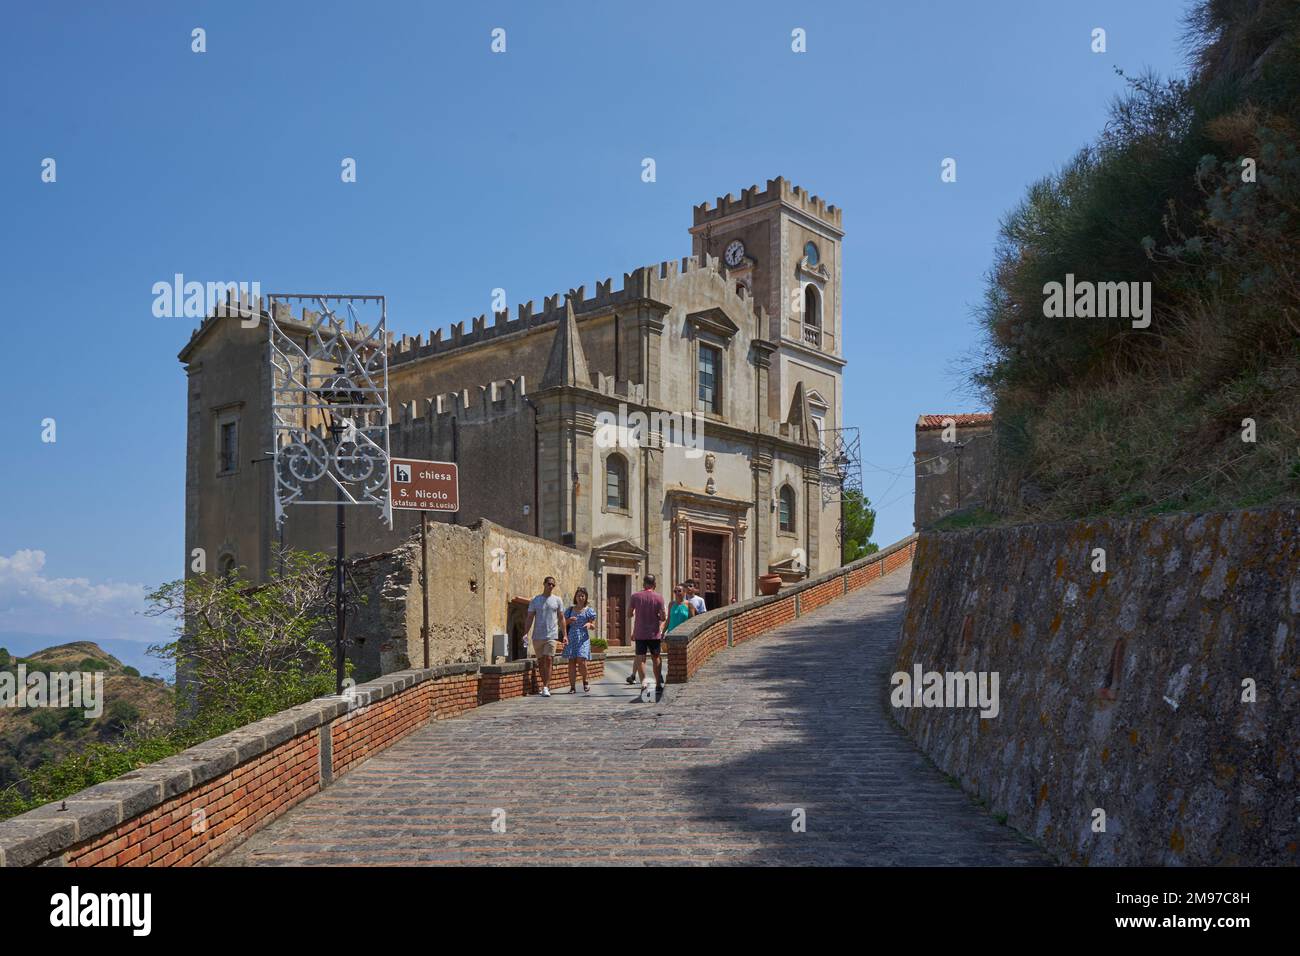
(708, 568)
(615, 609)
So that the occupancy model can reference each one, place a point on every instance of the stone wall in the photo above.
(475, 571)
(1124, 688)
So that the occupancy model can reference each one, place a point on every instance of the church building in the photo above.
(674, 425)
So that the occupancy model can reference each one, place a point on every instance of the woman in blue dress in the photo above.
(580, 621)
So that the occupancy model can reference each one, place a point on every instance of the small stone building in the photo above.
(480, 578)
(954, 464)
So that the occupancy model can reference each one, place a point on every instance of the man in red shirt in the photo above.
(648, 615)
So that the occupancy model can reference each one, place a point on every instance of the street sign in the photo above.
(424, 485)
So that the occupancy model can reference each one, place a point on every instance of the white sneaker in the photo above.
(546, 692)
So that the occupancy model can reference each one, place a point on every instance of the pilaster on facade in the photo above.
(762, 351)
(652, 464)
(652, 328)
(761, 466)
(583, 428)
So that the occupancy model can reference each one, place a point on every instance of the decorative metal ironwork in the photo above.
(329, 402)
(840, 461)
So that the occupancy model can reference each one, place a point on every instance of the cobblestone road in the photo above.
(793, 719)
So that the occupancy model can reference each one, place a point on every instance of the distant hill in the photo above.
(30, 736)
(130, 653)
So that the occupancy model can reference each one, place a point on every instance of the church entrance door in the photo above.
(709, 567)
(616, 609)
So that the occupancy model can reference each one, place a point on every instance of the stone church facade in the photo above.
(672, 425)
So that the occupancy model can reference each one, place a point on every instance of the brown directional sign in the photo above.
(423, 485)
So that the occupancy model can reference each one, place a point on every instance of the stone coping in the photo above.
(692, 627)
(42, 833)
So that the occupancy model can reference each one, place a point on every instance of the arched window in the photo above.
(786, 508)
(616, 482)
(810, 253)
(226, 566)
(812, 312)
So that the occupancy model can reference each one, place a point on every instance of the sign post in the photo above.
(424, 486)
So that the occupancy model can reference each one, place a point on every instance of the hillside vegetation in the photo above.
(1194, 186)
(31, 737)
(252, 650)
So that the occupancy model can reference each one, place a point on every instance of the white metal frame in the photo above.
(304, 368)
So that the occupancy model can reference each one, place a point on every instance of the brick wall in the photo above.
(521, 678)
(763, 618)
(822, 594)
(370, 729)
(189, 828)
(699, 638)
(184, 810)
(454, 695)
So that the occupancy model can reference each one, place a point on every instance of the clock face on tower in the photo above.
(735, 253)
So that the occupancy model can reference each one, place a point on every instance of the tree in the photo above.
(246, 650)
(859, 523)
(46, 722)
(119, 715)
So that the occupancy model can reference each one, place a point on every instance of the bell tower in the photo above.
(783, 245)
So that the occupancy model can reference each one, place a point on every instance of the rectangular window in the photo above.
(228, 452)
(613, 494)
(709, 372)
(616, 482)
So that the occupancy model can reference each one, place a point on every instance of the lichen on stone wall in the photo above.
(1125, 692)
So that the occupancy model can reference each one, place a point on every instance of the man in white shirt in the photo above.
(694, 599)
(546, 621)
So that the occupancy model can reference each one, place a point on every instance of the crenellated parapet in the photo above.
(778, 190)
(239, 305)
(631, 392)
(646, 283)
(470, 406)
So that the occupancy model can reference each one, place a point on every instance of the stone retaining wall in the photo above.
(691, 644)
(1123, 691)
(182, 810)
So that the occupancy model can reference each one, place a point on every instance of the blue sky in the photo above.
(475, 171)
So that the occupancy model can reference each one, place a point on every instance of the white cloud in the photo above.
(32, 601)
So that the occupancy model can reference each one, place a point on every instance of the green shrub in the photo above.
(1093, 416)
(120, 714)
(46, 722)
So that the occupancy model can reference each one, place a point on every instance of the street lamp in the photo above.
(341, 401)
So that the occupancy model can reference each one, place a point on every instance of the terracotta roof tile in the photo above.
(928, 422)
